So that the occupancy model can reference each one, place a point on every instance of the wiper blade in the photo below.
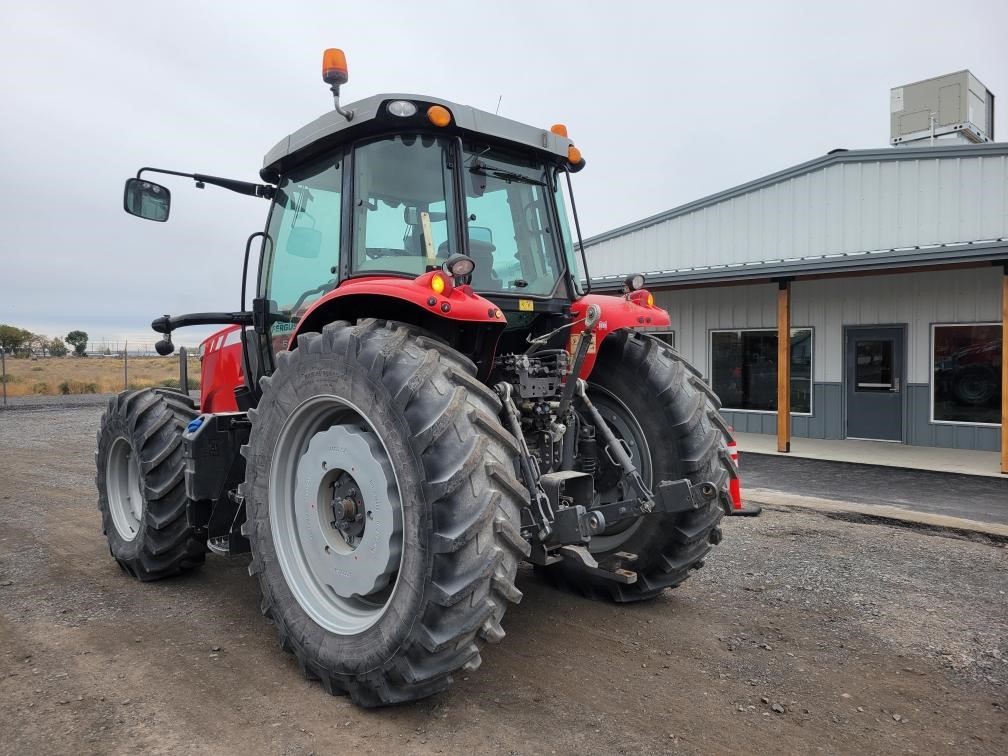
(506, 175)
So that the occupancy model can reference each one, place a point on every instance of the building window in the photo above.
(744, 369)
(667, 336)
(966, 359)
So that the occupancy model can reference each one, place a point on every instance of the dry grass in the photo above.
(92, 375)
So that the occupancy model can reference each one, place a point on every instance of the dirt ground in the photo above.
(803, 634)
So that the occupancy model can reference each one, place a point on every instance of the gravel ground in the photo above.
(804, 633)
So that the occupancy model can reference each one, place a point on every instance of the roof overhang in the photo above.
(879, 261)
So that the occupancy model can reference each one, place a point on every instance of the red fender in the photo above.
(459, 303)
(617, 312)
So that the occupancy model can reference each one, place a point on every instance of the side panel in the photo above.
(222, 370)
(617, 312)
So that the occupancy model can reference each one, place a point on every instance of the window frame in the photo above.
(710, 367)
(931, 372)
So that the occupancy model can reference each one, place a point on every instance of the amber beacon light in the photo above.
(334, 67)
(336, 74)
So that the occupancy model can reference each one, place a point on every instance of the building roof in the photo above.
(845, 211)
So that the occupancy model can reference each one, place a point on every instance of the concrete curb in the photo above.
(768, 497)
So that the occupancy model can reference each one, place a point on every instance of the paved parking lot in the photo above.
(971, 497)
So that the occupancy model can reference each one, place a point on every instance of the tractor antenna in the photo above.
(498, 104)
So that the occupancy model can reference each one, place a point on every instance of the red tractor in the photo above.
(423, 393)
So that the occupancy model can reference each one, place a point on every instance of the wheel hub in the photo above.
(348, 525)
(348, 509)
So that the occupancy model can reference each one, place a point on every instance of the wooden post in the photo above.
(1004, 371)
(784, 366)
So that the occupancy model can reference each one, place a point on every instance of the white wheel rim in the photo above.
(341, 564)
(122, 482)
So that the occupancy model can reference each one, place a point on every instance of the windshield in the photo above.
(511, 234)
(404, 217)
(403, 205)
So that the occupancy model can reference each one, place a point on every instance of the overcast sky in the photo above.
(668, 102)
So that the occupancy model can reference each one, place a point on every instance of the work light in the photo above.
(459, 266)
(402, 108)
(633, 282)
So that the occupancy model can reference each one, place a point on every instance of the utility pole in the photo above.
(3, 362)
(125, 365)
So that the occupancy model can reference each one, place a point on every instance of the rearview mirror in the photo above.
(146, 199)
(304, 242)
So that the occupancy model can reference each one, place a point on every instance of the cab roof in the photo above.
(370, 115)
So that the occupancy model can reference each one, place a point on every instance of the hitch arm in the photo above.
(644, 494)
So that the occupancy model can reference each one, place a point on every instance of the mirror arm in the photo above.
(241, 187)
(167, 323)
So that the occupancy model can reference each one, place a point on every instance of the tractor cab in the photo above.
(400, 186)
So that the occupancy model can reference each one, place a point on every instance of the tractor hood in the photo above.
(370, 115)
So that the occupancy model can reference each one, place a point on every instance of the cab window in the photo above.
(304, 232)
(403, 205)
(511, 237)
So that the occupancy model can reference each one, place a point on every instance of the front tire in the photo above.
(141, 484)
(658, 403)
(374, 441)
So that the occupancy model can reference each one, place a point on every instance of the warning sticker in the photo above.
(526, 305)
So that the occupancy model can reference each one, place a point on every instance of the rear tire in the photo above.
(655, 390)
(141, 484)
(439, 592)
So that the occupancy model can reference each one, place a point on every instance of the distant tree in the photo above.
(38, 346)
(57, 348)
(78, 340)
(14, 340)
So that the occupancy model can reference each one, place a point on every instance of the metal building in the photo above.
(886, 270)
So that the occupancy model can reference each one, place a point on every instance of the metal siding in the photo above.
(845, 207)
(993, 207)
(988, 439)
(921, 432)
(827, 305)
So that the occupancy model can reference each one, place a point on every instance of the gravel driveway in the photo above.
(803, 633)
